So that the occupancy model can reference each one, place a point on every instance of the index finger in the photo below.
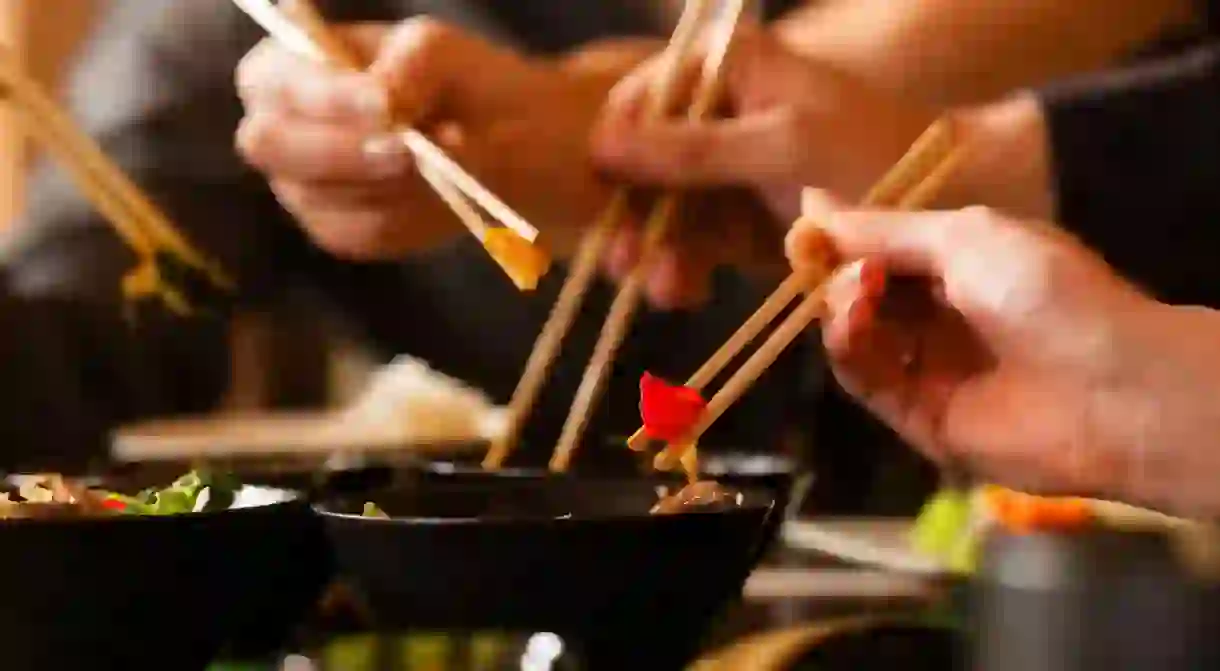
(917, 243)
(270, 76)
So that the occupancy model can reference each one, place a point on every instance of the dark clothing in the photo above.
(1137, 168)
(155, 85)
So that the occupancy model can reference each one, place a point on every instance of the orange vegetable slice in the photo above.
(1019, 512)
(524, 262)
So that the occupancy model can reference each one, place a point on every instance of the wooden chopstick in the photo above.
(130, 211)
(618, 320)
(908, 182)
(663, 96)
(920, 192)
(451, 182)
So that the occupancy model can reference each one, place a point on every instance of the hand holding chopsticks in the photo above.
(298, 27)
(911, 183)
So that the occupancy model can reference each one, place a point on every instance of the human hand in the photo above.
(1002, 342)
(518, 124)
(789, 122)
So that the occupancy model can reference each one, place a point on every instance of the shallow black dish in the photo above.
(156, 592)
(580, 558)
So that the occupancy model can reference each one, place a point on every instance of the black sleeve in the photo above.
(1137, 171)
(155, 87)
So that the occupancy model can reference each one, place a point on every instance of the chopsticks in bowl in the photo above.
(300, 27)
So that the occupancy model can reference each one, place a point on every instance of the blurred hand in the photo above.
(790, 122)
(1009, 344)
(521, 125)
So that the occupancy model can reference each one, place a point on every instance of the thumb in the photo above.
(745, 151)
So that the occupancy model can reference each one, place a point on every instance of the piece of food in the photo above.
(669, 412)
(412, 402)
(43, 495)
(942, 522)
(371, 510)
(695, 495)
(952, 524)
(1018, 512)
(524, 262)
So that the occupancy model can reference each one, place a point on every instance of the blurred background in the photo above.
(278, 360)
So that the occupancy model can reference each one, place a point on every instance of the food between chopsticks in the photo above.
(910, 183)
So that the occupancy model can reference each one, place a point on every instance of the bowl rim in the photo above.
(296, 500)
(757, 499)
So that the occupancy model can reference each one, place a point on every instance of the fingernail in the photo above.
(386, 155)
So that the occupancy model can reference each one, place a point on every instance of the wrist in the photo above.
(1006, 165)
(1158, 418)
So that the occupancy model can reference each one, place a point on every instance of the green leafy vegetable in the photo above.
(183, 496)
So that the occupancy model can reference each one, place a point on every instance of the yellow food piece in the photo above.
(524, 262)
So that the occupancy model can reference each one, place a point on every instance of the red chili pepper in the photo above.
(114, 504)
(668, 411)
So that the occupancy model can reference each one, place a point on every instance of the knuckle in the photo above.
(254, 139)
(423, 37)
(251, 71)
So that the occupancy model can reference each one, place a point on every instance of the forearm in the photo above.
(1006, 159)
(953, 52)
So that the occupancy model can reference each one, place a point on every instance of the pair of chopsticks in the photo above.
(138, 221)
(910, 184)
(300, 27)
(699, 18)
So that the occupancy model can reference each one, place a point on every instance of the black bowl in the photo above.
(579, 558)
(779, 475)
(157, 592)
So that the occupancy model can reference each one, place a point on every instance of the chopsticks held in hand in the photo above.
(134, 216)
(911, 183)
(300, 27)
(699, 19)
